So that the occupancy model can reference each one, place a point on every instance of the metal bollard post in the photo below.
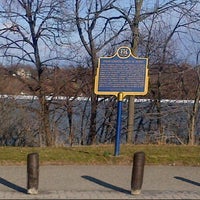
(32, 173)
(137, 172)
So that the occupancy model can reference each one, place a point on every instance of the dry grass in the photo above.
(103, 155)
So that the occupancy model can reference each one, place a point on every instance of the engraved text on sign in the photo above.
(122, 75)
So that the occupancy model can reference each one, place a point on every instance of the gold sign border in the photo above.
(115, 93)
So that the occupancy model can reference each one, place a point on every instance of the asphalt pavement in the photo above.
(101, 182)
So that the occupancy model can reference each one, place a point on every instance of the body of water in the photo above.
(173, 119)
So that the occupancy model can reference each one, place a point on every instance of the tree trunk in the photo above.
(193, 117)
(93, 115)
(48, 138)
(134, 47)
(130, 129)
(71, 132)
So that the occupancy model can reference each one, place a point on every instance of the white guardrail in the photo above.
(24, 97)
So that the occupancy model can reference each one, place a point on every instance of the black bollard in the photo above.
(32, 173)
(137, 172)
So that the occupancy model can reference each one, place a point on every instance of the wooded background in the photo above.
(50, 48)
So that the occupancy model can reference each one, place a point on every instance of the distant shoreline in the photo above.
(31, 97)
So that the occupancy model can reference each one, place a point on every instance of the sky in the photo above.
(186, 49)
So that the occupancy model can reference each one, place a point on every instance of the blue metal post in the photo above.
(118, 131)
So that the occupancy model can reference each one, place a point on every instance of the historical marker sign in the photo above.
(122, 73)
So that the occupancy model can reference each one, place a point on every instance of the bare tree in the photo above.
(181, 24)
(29, 32)
(97, 29)
(137, 16)
(193, 116)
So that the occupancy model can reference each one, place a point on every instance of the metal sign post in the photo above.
(121, 75)
(119, 116)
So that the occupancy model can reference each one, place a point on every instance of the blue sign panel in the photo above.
(122, 75)
(117, 74)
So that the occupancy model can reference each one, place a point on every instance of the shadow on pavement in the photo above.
(105, 184)
(12, 185)
(187, 180)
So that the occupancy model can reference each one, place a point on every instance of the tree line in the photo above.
(54, 33)
(179, 82)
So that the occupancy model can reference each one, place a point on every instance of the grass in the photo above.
(103, 155)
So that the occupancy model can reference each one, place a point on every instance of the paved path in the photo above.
(101, 182)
